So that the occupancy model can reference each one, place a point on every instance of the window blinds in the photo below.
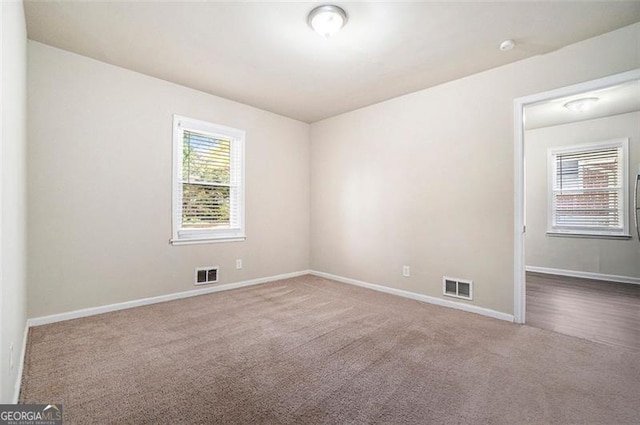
(587, 189)
(210, 182)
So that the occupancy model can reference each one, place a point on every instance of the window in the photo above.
(208, 182)
(588, 189)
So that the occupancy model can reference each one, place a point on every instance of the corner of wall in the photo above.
(13, 199)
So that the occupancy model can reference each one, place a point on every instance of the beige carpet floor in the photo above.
(312, 351)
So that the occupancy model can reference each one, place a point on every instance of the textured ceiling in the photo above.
(264, 54)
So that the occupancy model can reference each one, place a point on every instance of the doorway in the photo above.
(549, 251)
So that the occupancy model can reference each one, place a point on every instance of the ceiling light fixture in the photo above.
(327, 20)
(581, 105)
(507, 45)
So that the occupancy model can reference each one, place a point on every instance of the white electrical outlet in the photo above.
(239, 263)
(11, 358)
(406, 271)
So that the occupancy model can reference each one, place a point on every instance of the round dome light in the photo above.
(581, 105)
(327, 20)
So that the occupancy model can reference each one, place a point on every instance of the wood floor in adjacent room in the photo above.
(313, 351)
(606, 312)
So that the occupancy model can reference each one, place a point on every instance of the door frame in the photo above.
(519, 290)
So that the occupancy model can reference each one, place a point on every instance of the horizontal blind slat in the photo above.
(587, 188)
(206, 182)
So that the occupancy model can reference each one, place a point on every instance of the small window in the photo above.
(588, 190)
(208, 187)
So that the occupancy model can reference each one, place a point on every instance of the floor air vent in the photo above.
(206, 275)
(458, 288)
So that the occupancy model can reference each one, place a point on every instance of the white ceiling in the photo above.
(264, 54)
(615, 100)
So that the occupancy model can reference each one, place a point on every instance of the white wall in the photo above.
(100, 186)
(427, 179)
(13, 198)
(606, 256)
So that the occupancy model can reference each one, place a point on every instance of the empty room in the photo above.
(320, 212)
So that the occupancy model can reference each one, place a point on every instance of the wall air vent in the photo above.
(206, 275)
(459, 288)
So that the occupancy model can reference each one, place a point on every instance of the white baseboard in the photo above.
(585, 275)
(419, 297)
(44, 320)
(18, 384)
(37, 321)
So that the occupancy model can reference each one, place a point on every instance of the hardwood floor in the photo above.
(606, 312)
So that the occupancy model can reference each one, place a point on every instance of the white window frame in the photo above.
(553, 230)
(237, 139)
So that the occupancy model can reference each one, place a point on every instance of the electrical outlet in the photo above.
(11, 358)
(406, 271)
(239, 263)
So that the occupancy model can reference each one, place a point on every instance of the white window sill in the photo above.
(587, 235)
(194, 241)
